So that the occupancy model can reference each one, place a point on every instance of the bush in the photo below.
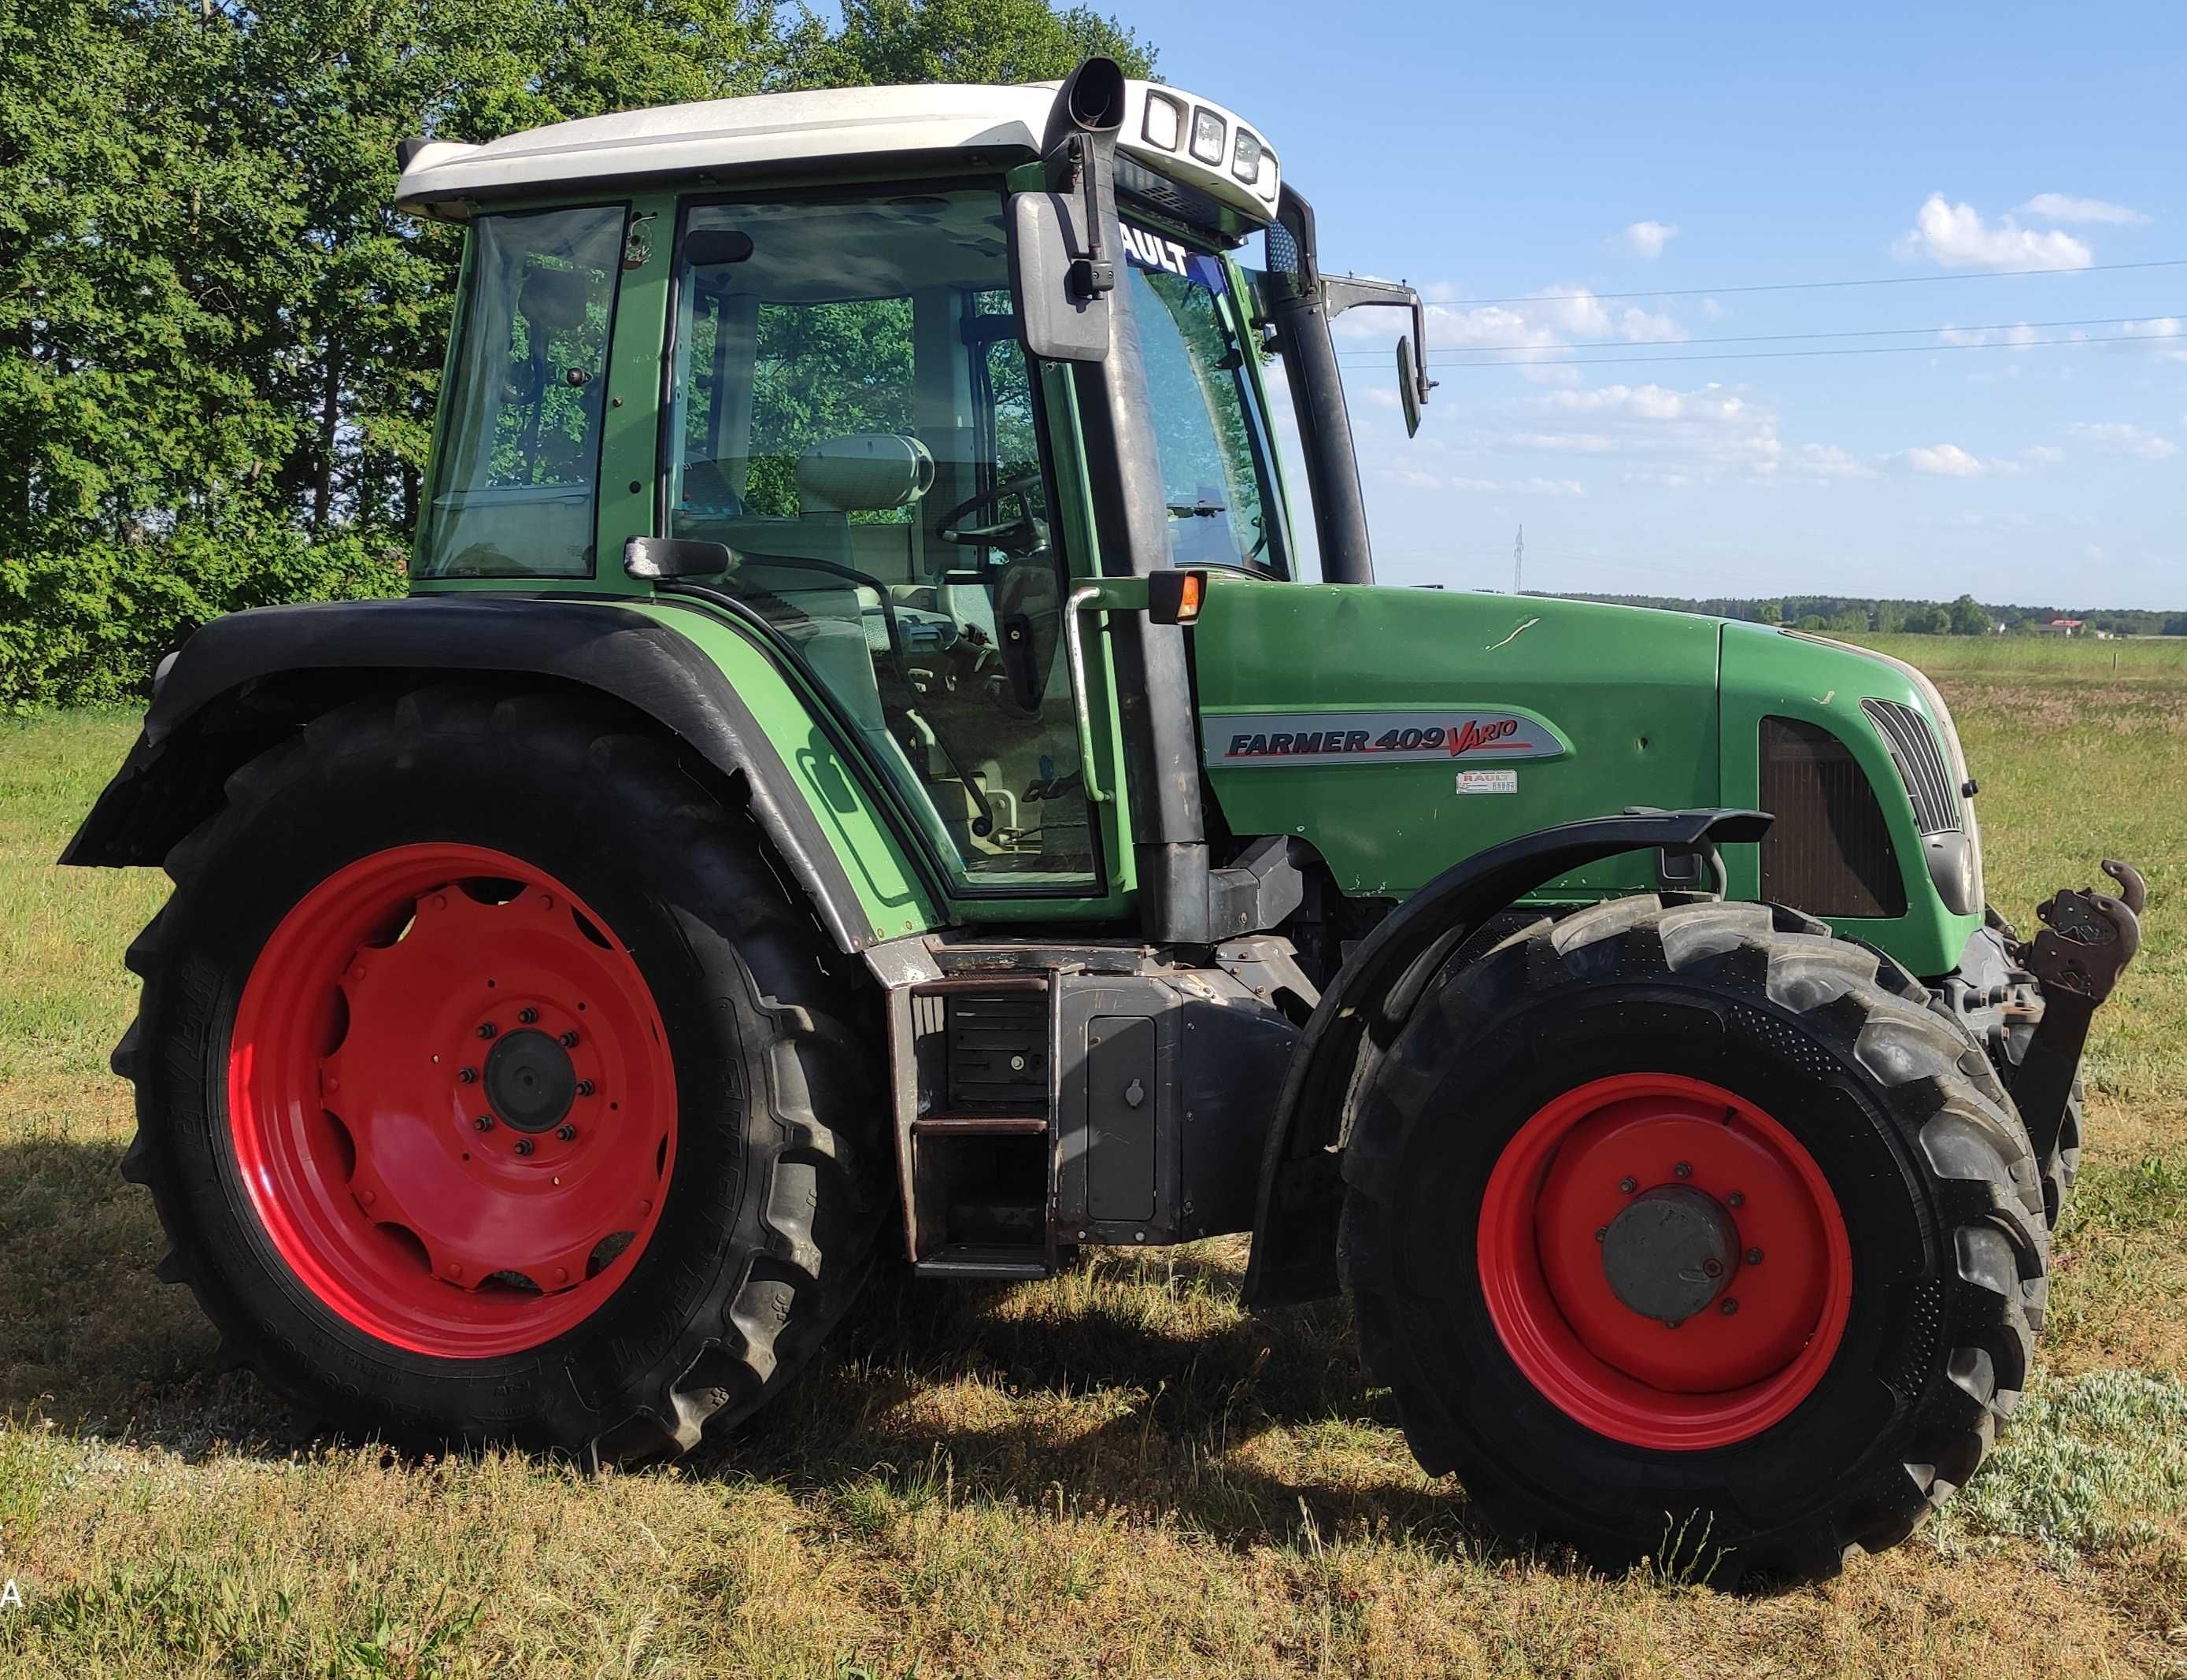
(89, 626)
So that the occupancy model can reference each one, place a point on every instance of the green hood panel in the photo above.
(1543, 712)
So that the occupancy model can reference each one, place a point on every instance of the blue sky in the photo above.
(1505, 153)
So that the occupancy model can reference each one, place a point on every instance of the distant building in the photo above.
(2062, 626)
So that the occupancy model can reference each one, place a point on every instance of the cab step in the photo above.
(959, 1260)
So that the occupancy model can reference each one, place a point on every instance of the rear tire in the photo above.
(718, 1067)
(1900, 1356)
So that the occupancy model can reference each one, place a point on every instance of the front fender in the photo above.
(1302, 1194)
(243, 681)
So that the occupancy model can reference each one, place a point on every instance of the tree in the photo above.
(219, 345)
(894, 41)
(1969, 617)
(1769, 613)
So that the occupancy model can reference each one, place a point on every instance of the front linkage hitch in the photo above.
(2087, 940)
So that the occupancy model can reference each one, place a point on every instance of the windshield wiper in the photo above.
(1197, 510)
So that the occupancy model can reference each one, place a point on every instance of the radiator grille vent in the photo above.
(1920, 762)
(1828, 852)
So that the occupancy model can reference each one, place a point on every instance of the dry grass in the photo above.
(1118, 1472)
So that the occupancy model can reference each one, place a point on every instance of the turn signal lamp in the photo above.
(1174, 597)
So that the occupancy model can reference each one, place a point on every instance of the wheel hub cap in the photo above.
(530, 1081)
(1670, 1253)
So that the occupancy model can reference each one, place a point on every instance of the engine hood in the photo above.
(1398, 730)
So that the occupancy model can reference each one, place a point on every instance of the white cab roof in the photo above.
(741, 138)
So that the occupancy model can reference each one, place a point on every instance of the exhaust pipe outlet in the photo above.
(1091, 101)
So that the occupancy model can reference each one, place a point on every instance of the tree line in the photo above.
(220, 346)
(1963, 617)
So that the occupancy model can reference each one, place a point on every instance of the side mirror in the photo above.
(1062, 269)
(658, 559)
(1409, 387)
(1412, 382)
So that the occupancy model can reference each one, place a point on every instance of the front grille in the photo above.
(1921, 761)
(1828, 852)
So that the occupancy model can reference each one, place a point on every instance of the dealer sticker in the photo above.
(1488, 781)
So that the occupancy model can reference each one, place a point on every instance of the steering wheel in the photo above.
(1020, 536)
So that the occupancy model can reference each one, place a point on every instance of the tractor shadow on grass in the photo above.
(90, 1338)
(1134, 1382)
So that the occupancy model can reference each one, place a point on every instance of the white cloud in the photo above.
(1713, 310)
(1413, 479)
(2118, 437)
(2021, 334)
(2064, 207)
(1827, 460)
(1955, 236)
(2043, 454)
(1647, 238)
(1943, 460)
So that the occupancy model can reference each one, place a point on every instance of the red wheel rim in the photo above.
(1718, 1376)
(427, 1182)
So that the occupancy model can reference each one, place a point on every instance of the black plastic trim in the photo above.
(1302, 1194)
(172, 779)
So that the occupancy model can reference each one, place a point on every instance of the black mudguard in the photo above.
(243, 681)
(1301, 1192)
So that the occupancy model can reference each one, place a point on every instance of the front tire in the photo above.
(1679, 1230)
(489, 1088)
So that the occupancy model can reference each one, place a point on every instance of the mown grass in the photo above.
(1116, 1472)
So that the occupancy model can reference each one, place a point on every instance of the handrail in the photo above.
(1088, 596)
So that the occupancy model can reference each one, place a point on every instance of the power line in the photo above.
(1842, 349)
(1762, 338)
(1819, 285)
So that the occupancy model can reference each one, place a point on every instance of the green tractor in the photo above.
(861, 778)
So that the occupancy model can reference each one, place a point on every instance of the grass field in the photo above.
(1116, 1472)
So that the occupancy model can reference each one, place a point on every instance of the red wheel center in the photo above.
(1664, 1262)
(451, 1100)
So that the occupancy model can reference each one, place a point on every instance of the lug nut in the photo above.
(524, 1146)
(527, 1015)
(1754, 1256)
(487, 1028)
(1737, 1199)
(1682, 1169)
(1602, 1234)
(569, 1041)
(1730, 1307)
(467, 1076)
(568, 1134)
(1626, 1186)
(1673, 1323)
(483, 1123)
(584, 1088)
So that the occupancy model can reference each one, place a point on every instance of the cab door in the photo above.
(849, 411)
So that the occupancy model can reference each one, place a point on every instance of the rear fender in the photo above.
(246, 681)
(1301, 1193)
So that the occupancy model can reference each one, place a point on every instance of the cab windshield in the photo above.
(1210, 430)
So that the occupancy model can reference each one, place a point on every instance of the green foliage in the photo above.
(220, 346)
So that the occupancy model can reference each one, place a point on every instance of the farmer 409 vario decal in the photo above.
(1380, 738)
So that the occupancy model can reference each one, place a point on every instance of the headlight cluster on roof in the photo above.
(1184, 128)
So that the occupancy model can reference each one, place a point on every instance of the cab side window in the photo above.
(515, 479)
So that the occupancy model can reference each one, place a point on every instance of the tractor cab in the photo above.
(892, 372)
